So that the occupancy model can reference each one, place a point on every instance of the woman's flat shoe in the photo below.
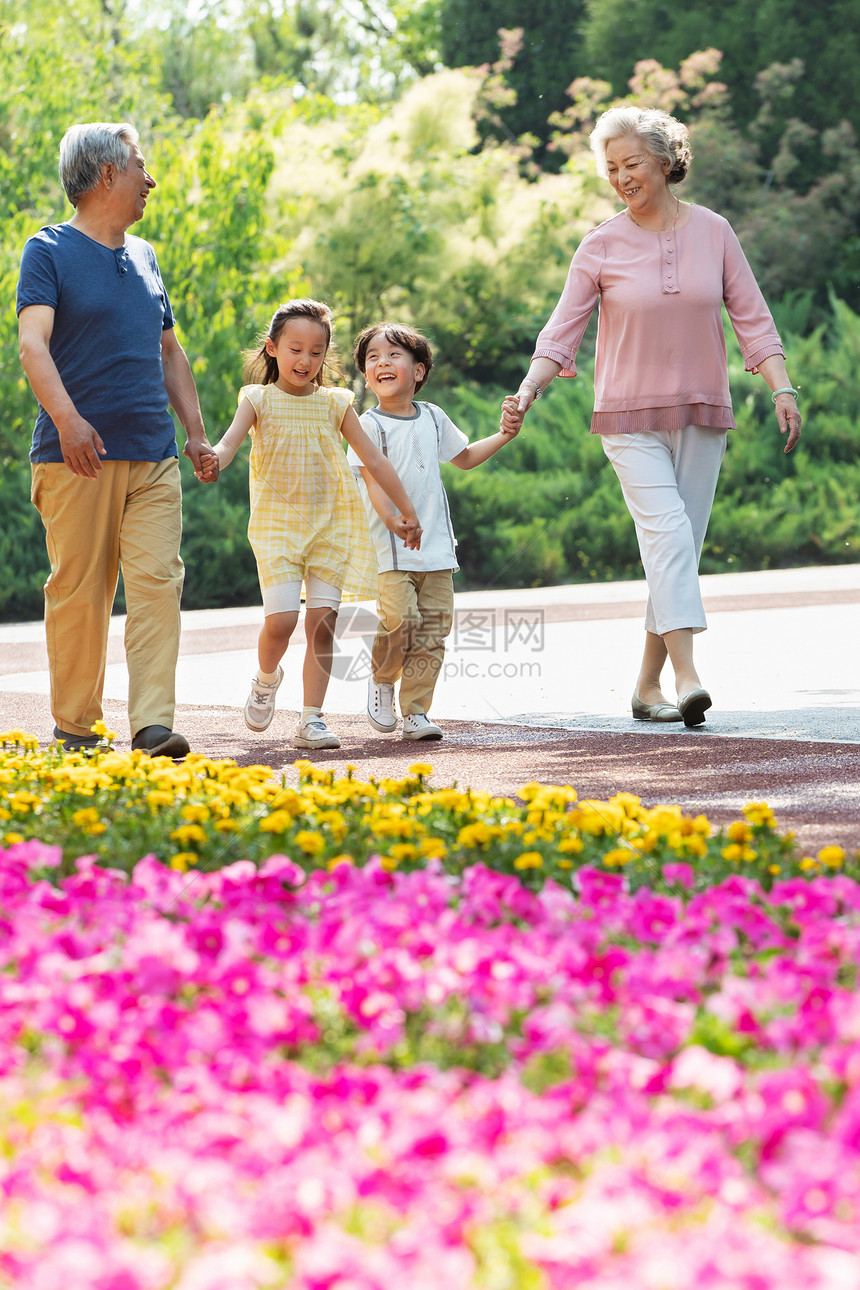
(654, 711)
(693, 707)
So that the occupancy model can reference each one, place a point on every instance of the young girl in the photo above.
(307, 519)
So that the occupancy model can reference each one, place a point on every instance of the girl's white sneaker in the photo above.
(419, 726)
(315, 734)
(260, 706)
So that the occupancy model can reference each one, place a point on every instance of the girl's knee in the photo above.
(279, 627)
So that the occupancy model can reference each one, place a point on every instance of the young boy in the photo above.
(416, 588)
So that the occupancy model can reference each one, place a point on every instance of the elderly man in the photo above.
(98, 345)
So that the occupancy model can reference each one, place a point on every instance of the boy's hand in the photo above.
(209, 468)
(512, 415)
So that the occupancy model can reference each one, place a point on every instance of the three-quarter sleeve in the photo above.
(561, 337)
(748, 312)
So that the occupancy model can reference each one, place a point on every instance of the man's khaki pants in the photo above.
(416, 612)
(131, 515)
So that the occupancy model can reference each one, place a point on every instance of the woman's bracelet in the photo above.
(538, 390)
(786, 389)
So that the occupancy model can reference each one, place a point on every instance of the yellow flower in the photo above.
(474, 835)
(86, 815)
(277, 822)
(696, 846)
(761, 814)
(187, 833)
(158, 797)
(389, 863)
(617, 857)
(182, 860)
(808, 863)
(739, 831)
(529, 860)
(339, 860)
(565, 864)
(570, 846)
(311, 843)
(226, 825)
(11, 838)
(99, 728)
(421, 768)
(774, 868)
(196, 813)
(432, 848)
(831, 856)
(403, 851)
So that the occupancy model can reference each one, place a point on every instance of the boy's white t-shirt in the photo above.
(415, 445)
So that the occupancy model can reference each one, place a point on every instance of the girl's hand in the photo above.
(209, 468)
(412, 532)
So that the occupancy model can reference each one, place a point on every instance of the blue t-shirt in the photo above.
(110, 310)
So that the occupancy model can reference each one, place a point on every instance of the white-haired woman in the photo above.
(661, 270)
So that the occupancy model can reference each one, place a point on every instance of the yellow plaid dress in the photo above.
(306, 512)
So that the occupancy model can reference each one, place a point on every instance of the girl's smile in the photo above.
(299, 351)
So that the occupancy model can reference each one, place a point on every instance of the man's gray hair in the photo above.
(85, 149)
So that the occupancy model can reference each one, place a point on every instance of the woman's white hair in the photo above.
(664, 136)
(84, 149)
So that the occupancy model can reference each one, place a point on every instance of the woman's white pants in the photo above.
(669, 478)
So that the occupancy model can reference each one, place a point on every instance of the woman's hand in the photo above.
(788, 419)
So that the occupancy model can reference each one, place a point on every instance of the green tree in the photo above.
(821, 42)
(549, 57)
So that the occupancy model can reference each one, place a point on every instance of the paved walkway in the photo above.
(537, 685)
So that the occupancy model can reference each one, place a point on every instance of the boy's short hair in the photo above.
(396, 334)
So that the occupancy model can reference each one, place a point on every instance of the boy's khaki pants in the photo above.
(131, 515)
(416, 612)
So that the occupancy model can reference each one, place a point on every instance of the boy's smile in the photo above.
(392, 373)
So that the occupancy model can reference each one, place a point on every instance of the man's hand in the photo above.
(195, 450)
(81, 445)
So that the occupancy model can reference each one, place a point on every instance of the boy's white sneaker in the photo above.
(260, 707)
(381, 712)
(315, 734)
(419, 726)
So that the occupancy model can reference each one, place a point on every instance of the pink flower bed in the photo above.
(365, 1080)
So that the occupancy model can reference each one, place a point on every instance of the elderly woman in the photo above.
(661, 270)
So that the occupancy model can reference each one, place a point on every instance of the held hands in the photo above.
(202, 457)
(514, 408)
(407, 529)
(209, 468)
(788, 419)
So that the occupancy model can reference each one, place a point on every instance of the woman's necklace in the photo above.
(657, 230)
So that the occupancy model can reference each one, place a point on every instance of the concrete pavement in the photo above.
(781, 658)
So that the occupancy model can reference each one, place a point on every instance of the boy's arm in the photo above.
(225, 450)
(480, 451)
(383, 474)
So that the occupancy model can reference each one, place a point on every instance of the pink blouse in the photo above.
(661, 352)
